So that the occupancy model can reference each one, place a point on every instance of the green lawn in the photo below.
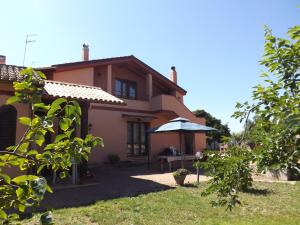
(184, 205)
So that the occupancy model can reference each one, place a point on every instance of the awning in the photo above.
(81, 92)
(139, 116)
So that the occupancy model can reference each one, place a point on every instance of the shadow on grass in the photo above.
(256, 191)
(190, 185)
(109, 183)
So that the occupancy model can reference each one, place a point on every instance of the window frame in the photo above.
(126, 93)
(131, 151)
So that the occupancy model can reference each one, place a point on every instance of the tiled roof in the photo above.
(63, 89)
(82, 92)
(10, 72)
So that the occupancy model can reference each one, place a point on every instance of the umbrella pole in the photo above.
(180, 143)
(149, 148)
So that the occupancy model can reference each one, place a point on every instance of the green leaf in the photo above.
(20, 193)
(5, 177)
(36, 121)
(24, 178)
(62, 175)
(3, 214)
(13, 216)
(60, 137)
(21, 207)
(65, 123)
(39, 139)
(12, 100)
(53, 110)
(40, 168)
(32, 152)
(69, 110)
(41, 75)
(58, 102)
(41, 106)
(77, 107)
(49, 189)
(24, 146)
(25, 121)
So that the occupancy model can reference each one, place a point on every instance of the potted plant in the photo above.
(179, 176)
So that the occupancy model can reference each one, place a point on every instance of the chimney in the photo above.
(2, 59)
(85, 52)
(173, 75)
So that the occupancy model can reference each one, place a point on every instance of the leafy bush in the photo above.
(113, 158)
(274, 133)
(181, 172)
(231, 173)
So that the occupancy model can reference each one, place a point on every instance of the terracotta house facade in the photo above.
(121, 99)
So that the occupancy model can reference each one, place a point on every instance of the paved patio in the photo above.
(112, 182)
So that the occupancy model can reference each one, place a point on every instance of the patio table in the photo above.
(172, 158)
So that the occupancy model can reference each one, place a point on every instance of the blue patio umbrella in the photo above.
(181, 125)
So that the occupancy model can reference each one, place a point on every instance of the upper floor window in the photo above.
(125, 89)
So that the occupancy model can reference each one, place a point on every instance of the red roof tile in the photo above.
(82, 92)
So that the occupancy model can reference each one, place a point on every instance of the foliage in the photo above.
(223, 129)
(32, 152)
(113, 158)
(277, 103)
(181, 172)
(276, 126)
(231, 173)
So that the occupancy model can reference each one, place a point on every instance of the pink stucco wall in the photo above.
(79, 76)
(110, 126)
(22, 110)
(100, 79)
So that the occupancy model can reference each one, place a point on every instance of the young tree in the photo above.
(276, 130)
(18, 193)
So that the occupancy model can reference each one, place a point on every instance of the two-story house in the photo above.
(121, 98)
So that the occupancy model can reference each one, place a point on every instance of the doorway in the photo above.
(8, 118)
(189, 143)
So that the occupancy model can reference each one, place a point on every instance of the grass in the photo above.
(267, 204)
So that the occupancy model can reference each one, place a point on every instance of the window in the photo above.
(125, 89)
(137, 138)
(8, 117)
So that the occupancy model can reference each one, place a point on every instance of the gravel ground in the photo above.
(167, 178)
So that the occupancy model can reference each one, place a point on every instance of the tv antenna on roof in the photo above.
(28, 40)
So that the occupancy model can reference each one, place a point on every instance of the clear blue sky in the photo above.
(214, 44)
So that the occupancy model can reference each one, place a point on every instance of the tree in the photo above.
(24, 191)
(276, 129)
(223, 129)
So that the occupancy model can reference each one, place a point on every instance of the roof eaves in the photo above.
(116, 60)
(160, 75)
